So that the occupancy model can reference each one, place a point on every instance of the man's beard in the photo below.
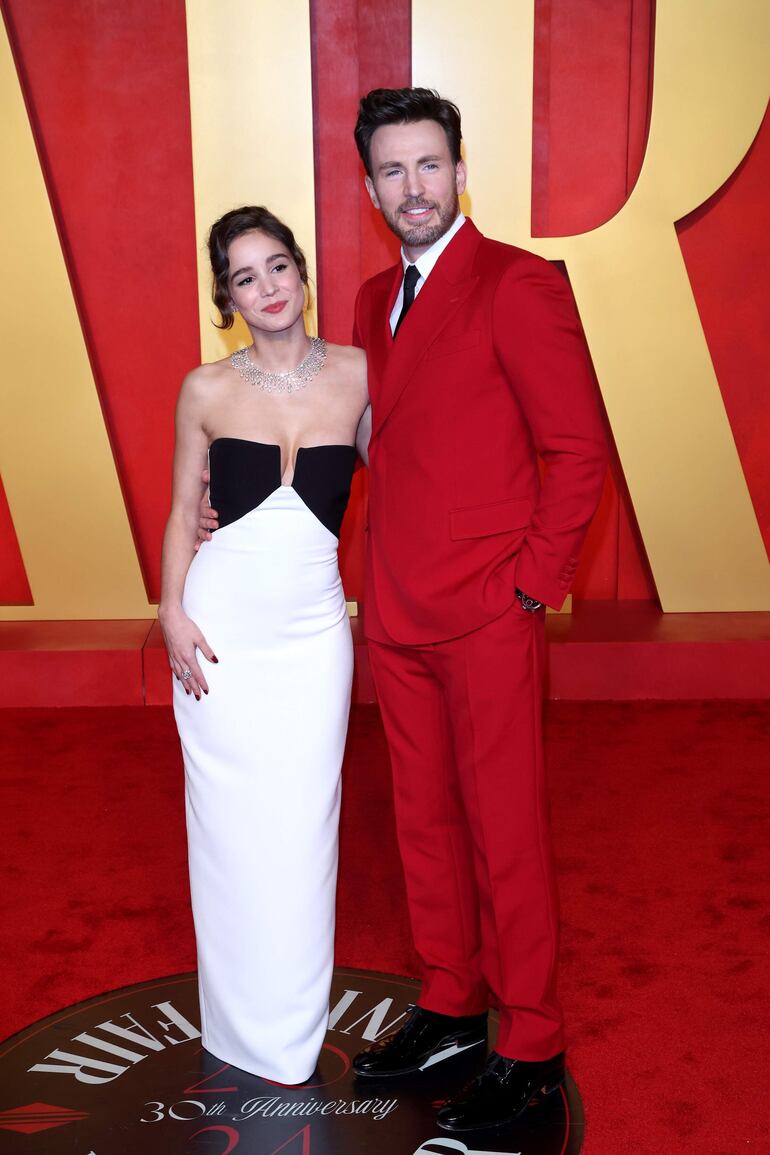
(417, 236)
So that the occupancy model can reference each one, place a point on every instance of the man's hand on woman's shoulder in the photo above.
(208, 518)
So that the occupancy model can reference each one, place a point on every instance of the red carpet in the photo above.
(660, 823)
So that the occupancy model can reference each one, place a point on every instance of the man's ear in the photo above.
(372, 191)
(461, 177)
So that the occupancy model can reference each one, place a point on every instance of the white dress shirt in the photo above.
(424, 265)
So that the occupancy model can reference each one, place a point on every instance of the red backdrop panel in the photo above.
(592, 92)
(356, 46)
(726, 247)
(107, 90)
(14, 587)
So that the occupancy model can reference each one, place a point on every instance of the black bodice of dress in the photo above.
(245, 473)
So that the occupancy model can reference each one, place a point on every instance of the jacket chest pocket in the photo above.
(454, 344)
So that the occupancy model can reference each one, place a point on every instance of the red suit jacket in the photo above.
(489, 371)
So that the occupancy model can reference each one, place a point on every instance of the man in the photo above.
(476, 367)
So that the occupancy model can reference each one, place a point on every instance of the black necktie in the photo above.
(411, 277)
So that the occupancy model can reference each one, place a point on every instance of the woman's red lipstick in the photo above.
(276, 307)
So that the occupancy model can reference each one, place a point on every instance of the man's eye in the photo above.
(431, 165)
(393, 172)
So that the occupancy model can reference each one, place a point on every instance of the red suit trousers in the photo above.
(463, 719)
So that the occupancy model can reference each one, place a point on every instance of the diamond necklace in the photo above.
(288, 382)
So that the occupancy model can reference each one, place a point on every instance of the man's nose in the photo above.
(413, 183)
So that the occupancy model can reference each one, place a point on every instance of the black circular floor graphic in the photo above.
(125, 1074)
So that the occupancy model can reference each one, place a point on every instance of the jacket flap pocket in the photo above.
(485, 520)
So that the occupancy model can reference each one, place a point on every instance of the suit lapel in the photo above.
(379, 346)
(441, 297)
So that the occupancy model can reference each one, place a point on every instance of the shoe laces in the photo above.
(498, 1068)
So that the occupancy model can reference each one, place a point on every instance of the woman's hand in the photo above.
(183, 638)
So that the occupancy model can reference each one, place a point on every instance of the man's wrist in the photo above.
(531, 605)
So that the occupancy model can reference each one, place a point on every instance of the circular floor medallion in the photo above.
(125, 1074)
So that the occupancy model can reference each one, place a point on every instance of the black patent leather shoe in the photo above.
(426, 1038)
(500, 1093)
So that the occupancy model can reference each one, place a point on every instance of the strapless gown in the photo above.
(262, 753)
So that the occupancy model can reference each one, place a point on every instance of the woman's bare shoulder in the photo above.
(349, 353)
(348, 361)
(203, 379)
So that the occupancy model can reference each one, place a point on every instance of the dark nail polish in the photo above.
(214, 658)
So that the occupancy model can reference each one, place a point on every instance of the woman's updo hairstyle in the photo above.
(223, 233)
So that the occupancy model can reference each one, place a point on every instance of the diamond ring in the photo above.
(186, 674)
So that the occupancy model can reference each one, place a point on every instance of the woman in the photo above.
(259, 641)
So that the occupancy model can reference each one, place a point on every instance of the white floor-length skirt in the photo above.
(262, 756)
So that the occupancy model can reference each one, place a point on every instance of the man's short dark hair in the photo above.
(384, 106)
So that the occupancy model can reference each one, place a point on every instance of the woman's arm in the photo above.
(363, 434)
(364, 431)
(181, 635)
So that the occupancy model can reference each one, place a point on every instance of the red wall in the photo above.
(106, 87)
